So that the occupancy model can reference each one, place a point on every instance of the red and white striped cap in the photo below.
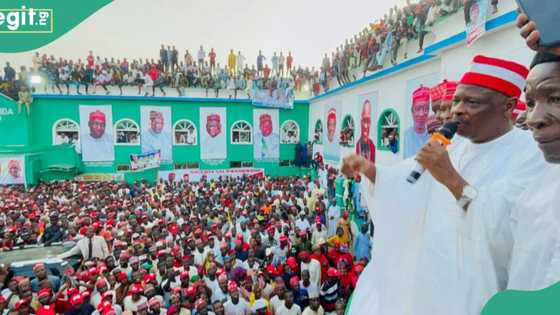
(500, 75)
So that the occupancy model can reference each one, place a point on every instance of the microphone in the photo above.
(443, 135)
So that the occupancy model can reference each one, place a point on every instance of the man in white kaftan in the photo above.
(333, 215)
(511, 230)
(417, 263)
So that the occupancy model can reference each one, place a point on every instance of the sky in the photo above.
(137, 28)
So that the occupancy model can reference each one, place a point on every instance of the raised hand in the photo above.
(531, 34)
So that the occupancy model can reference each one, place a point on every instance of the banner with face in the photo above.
(332, 133)
(213, 136)
(96, 133)
(12, 170)
(267, 135)
(418, 101)
(156, 130)
(365, 146)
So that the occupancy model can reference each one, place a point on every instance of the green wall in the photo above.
(13, 126)
(36, 130)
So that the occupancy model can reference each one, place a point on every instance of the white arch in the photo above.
(283, 135)
(115, 131)
(195, 132)
(58, 122)
(250, 131)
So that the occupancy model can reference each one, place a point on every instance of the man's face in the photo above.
(40, 272)
(331, 128)
(155, 308)
(171, 177)
(420, 112)
(234, 296)
(213, 127)
(102, 288)
(15, 170)
(366, 123)
(212, 271)
(265, 125)
(305, 275)
(24, 289)
(480, 112)
(475, 11)
(156, 124)
(314, 304)
(443, 112)
(543, 100)
(366, 120)
(436, 105)
(218, 308)
(96, 128)
(222, 283)
(289, 298)
(90, 232)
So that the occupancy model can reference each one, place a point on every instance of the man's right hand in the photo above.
(532, 36)
(354, 164)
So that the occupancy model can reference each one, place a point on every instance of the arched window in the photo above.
(388, 131)
(347, 132)
(184, 133)
(127, 132)
(65, 131)
(289, 133)
(241, 133)
(318, 132)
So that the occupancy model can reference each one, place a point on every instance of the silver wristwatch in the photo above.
(469, 194)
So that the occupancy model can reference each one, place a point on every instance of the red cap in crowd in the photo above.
(44, 292)
(76, 300)
(191, 291)
(332, 272)
(232, 286)
(136, 289)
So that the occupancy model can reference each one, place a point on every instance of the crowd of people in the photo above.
(242, 246)
(148, 75)
(367, 50)
(363, 53)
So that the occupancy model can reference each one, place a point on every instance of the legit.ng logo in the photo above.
(26, 20)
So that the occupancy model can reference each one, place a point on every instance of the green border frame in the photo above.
(318, 121)
(380, 120)
(342, 125)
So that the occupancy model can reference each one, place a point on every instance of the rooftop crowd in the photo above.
(172, 70)
(231, 246)
(364, 53)
(367, 51)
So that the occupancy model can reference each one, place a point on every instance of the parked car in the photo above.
(22, 260)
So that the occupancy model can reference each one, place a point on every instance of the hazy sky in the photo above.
(137, 28)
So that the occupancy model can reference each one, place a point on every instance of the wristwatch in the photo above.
(469, 194)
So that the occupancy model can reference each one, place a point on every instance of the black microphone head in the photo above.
(449, 129)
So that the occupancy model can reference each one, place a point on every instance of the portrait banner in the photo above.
(478, 16)
(12, 170)
(156, 130)
(145, 161)
(195, 175)
(273, 93)
(332, 133)
(266, 134)
(213, 133)
(96, 133)
(368, 104)
(418, 109)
